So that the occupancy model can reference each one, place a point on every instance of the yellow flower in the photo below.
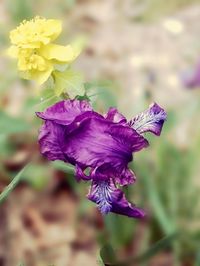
(37, 55)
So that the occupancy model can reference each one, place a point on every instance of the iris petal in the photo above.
(114, 116)
(51, 137)
(126, 177)
(64, 112)
(111, 199)
(101, 194)
(128, 137)
(96, 141)
(150, 120)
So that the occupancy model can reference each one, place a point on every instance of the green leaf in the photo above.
(108, 255)
(114, 223)
(197, 259)
(162, 244)
(165, 242)
(99, 260)
(160, 212)
(11, 125)
(12, 185)
(69, 82)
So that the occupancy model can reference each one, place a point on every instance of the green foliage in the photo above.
(102, 94)
(69, 82)
(37, 176)
(11, 125)
(167, 184)
(154, 9)
(69, 4)
(20, 9)
(108, 255)
(12, 185)
(162, 244)
(114, 224)
(66, 168)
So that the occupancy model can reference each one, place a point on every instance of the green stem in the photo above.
(12, 185)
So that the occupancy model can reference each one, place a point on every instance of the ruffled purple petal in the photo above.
(88, 143)
(150, 120)
(51, 139)
(126, 177)
(114, 116)
(105, 147)
(122, 176)
(111, 199)
(126, 134)
(64, 112)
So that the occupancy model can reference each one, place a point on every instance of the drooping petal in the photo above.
(150, 120)
(64, 112)
(58, 52)
(111, 199)
(114, 116)
(51, 138)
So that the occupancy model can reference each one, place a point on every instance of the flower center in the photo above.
(30, 60)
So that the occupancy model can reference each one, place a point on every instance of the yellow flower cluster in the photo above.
(37, 55)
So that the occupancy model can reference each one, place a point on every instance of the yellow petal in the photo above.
(36, 32)
(54, 27)
(39, 76)
(13, 51)
(79, 44)
(58, 52)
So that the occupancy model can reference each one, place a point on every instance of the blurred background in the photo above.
(138, 51)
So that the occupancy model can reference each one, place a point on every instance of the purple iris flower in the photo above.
(99, 146)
